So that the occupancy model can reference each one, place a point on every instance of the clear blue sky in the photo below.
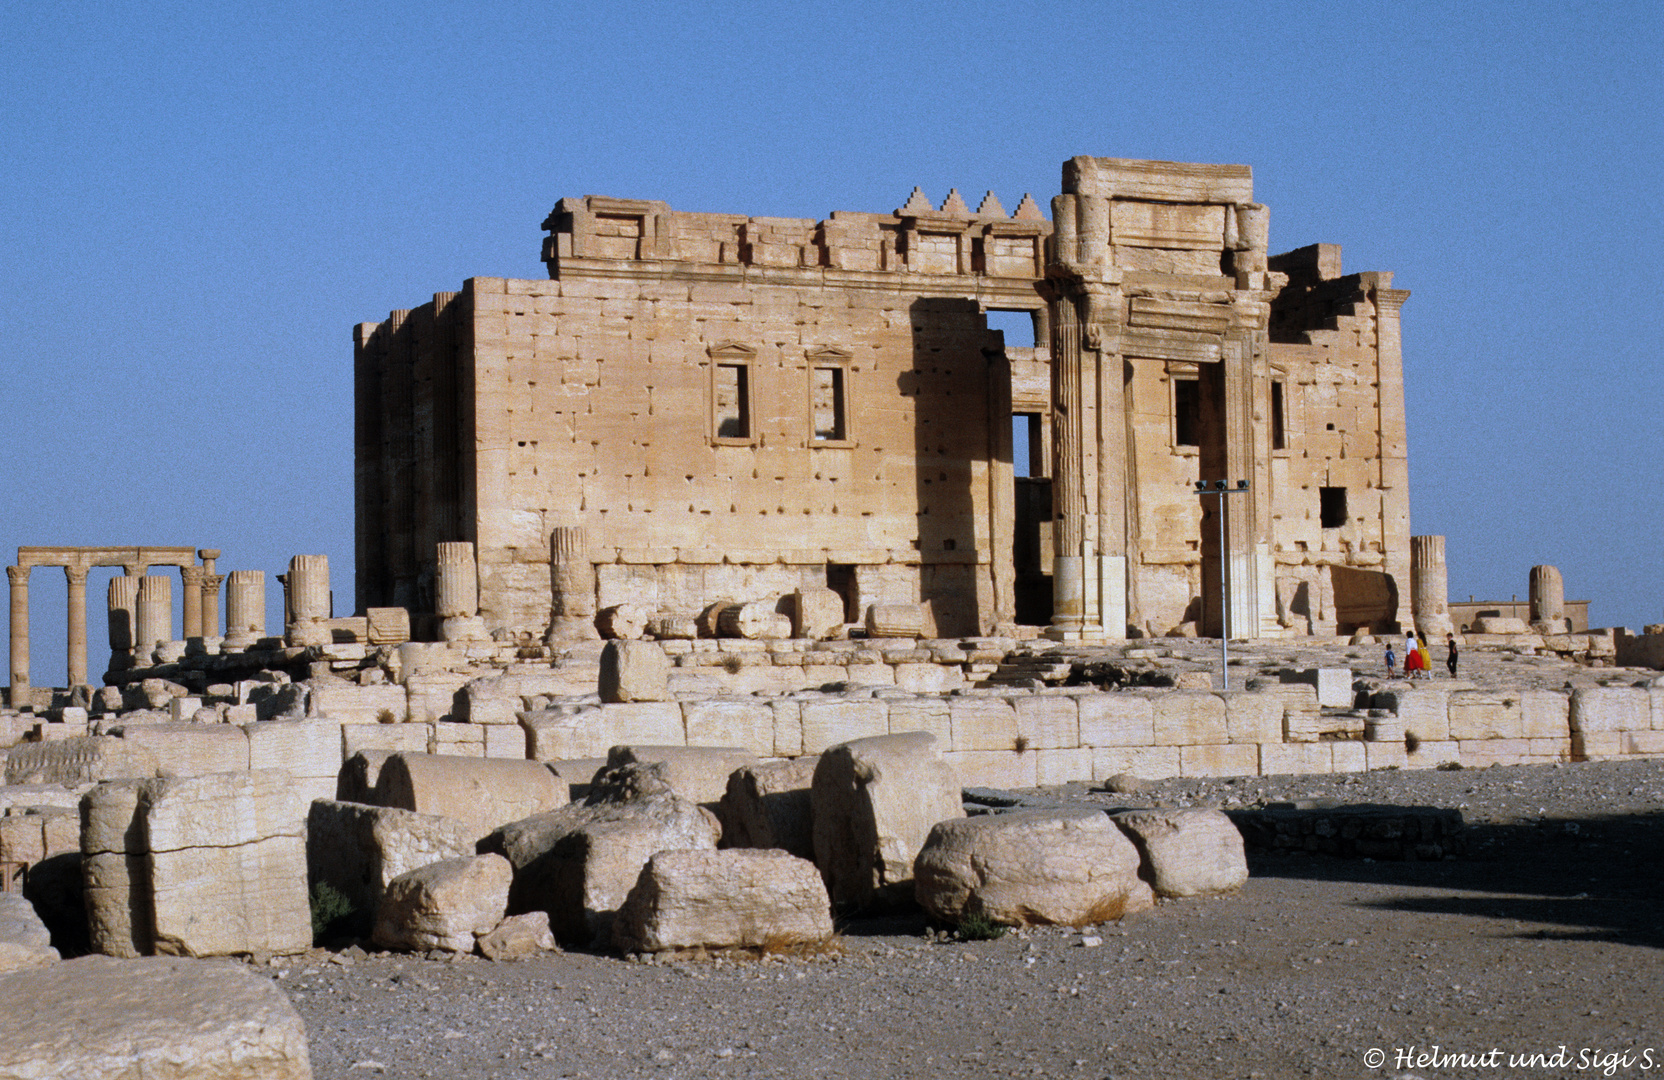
(200, 201)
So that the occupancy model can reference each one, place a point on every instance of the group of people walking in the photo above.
(1417, 662)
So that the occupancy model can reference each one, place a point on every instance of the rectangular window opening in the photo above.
(1028, 455)
(1331, 506)
(1279, 433)
(830, 406)
(1187, 412)
(733, 401)
(1017, 326)
(840, 578)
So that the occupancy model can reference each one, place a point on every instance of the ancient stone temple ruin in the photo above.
(698, 407)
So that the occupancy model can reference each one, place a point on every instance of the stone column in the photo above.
(191, 602)
(211, 582)
(245, 607)
(309, 601)
(1548, 600)
(211, 605)
(124, 620)
(77, 576)
(572, 585)
(1068, 475)
(154, 616)
(19, 576)
(1429, 587)
(457, 593)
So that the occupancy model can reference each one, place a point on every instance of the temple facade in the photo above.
(703, 407)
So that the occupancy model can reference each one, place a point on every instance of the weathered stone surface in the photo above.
(817, 613)
(191, 749)
(723, 899)
(874, 802)
(225, 856)
(623, 621)
(360, 849)
(1187, 852)
(634, 671)
(519, 937)
(578, 863)
(1334, 685)
(24, 940)
(308, 750)
(444, 905)
(492, 701)
(755, 621)
(697, 773)
(485, 793)
(1065, 867)
(79, 761)
(769, 805)
(114, 878)
(98, 1018)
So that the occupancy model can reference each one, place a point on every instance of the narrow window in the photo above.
(1027, 447)
(1279, 435)
(1187, 412)
(840, 578)
(829, 405)
(733, 401)
(1331, 506)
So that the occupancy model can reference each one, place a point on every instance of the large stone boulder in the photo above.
(444, 905)
(769, 805)
(1187, 852)
(98, 1018)
(634, 671)
(723, 899)
(578, 863)
(24, 940)
(483, 792)
(358, 850)
(1063, 867)
(874, 801)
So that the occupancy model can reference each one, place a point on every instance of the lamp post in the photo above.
(1222, 488)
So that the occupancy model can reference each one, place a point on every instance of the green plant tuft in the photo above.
(333, 914)
(980, 927)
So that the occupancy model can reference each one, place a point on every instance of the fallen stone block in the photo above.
(359, 849)
(444, 905)
(519, 937)
(697, 773)
(98, 1018)
(71, 762)
(634, 671)
(225, 857)
(483, 792)
(114, 878)
(1187, 852)
(817, 613)
(578, 863)
(1063, 867)
(191, 749)
(723, 900)
(24, 939)
(874, 802)
(769, 804)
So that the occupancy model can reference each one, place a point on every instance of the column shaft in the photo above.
(124, 620)
(191, 600)
(77, 576)
(19, 577)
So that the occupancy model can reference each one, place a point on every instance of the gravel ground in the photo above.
(1547, 935)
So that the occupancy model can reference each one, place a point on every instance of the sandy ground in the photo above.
(1544, 940)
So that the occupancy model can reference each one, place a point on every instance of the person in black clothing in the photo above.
(1450, 660)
